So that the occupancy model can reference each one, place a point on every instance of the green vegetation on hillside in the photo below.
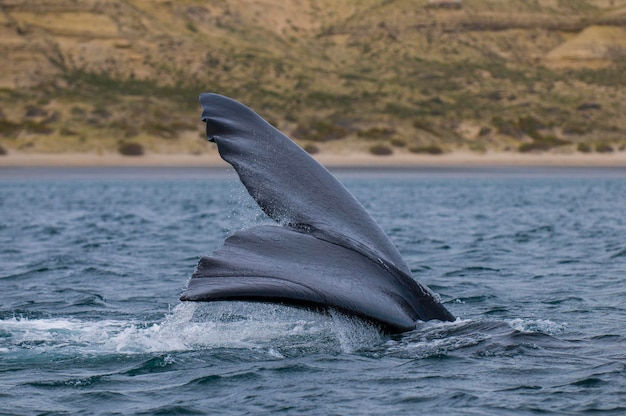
(399, 76)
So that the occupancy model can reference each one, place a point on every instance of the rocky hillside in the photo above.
(403, 75)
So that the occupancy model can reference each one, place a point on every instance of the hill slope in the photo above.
(87, 75)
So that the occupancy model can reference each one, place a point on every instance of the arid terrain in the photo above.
(371, 76)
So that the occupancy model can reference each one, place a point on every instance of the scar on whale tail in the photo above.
(325, 250)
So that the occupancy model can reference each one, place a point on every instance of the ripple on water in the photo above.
(533, 265)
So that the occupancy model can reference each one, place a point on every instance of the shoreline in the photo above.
(348, 160)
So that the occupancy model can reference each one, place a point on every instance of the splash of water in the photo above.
(542, 326)
(279, 330)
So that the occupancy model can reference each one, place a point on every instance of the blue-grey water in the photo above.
(531, 261)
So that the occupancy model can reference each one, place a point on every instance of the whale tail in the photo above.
(328, 252)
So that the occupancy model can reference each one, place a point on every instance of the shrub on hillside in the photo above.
(321, 131)
(604, 148)
(311, 148)
(530, 126)
(431, 149)
(542, 144)
(381, 150)
(131, 149)
(398, 143)
(9, 128)
(376, 133)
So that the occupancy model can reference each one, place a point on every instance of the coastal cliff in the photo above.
(409, 76)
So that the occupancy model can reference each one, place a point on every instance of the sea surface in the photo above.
(93, 261)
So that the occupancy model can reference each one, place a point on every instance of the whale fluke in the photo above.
(325, 251)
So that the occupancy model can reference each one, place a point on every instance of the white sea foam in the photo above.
(543, 326)
(276, 329)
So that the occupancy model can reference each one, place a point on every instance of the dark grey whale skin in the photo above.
(325, 251)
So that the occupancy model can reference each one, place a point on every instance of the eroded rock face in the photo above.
(594, 47)
(155, 38)
(139, 38)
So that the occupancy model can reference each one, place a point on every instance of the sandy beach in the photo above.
(356, 160)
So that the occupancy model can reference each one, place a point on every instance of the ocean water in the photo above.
(531, 261)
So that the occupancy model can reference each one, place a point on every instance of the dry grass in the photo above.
(345, 71)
